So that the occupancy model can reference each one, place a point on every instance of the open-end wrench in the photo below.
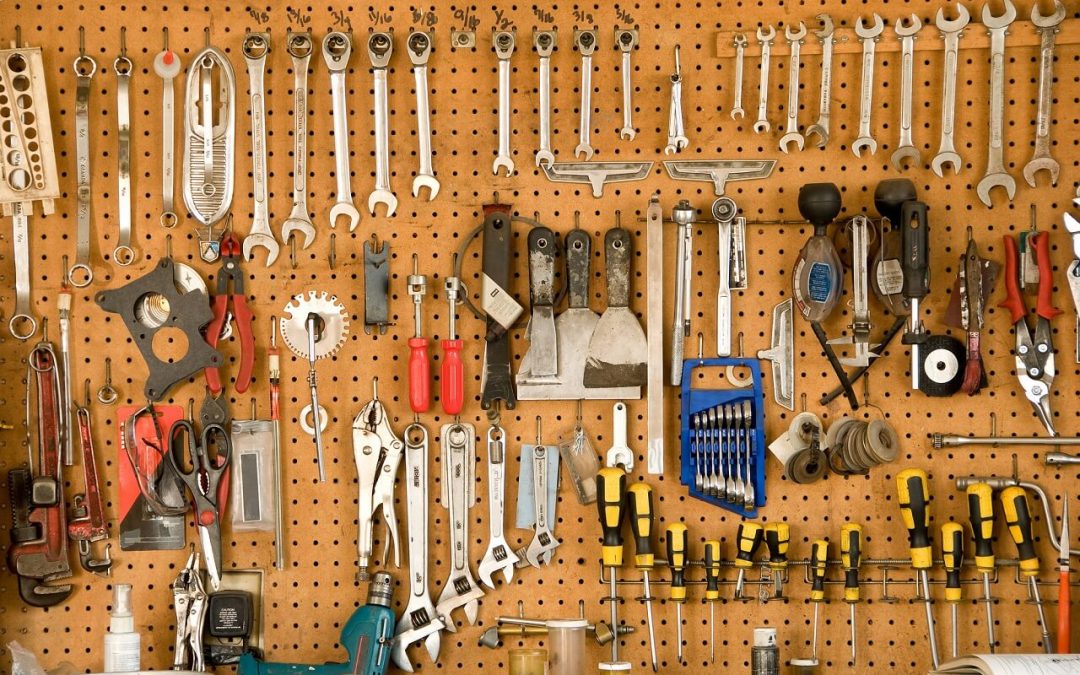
(419, 46)
(737, 111)
(380, 49)
(792, 135)
(299, 46)
(337, 49)
(499, 555)
(906, 149)
(459, 462)
(503, 42)
(544, 43)
(585, 41)
(765, 38)
(996, 176)
(676, 135)
(951, 31)
(868, 37)
(543, 542)
(821, 127)
(619, 454)
(1048, 27)
(626, 40)
(256, 48)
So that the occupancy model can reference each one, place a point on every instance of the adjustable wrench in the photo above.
(825, 36)
(336, 49)
(868, 37)
(676, 139)
(380, 49)
(626, 40)
(951, 31)
(585, 41)
(737, 111)
(906, 147)
(419, 46)
(792, 135)
(619, 454)
(256, 47)
(503, 43)
(1048, 27)
(543, 542)
(299, 46)
(499, 555)
(459, 462)
(996, 176)
(544, 43)
(765, 38)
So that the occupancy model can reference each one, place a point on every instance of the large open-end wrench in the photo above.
(737, 111)
(459, 461)
(794, 39)
(821, 127)
(626, 40)
(337, 49)
(299, 46)
(676, 135)
(543, 542)
(256, 48)
(380, 49)
(585, 41)
(419, 46)
(544, 43)
(951, 31)
(1048, 27)
(765, 38)
(905, 148)
(503, 42)
(868, 36)
(996, 176)
(499, 555)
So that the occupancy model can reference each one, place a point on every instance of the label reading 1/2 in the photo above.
(890, 277)
(819, 282)
(502, 22)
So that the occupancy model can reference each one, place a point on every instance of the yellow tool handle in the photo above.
(611, 498)
(1017, 516)
(819, 554)
(913, 490)
(952, 551)
(641, 524)
(851, 555)
(981, 516)
(749, 539)
(777, 540)
(676, 555)
(712, 570)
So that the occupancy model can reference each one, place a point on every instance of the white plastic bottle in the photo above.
(123, 645)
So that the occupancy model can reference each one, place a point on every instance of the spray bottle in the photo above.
(123, 645)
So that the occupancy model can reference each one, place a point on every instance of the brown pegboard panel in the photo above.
(307, 604)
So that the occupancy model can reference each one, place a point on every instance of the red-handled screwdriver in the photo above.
(419, 370)
(452, 374)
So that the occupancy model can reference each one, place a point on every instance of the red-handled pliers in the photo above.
(230, 271)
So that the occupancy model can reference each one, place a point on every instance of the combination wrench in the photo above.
(676, 139)
(256, 48)
(794, 39)
(167, 66)
(951, 31)
(825, 37)
(996, 176)
(868, 37)
(380, 49)
(503, 42)
(1048, 27)
(765, 38)
(626, 39)
(123, 254)
(337, 49)
(737, 111)
(499, 555)
(906, 149)
(419, 46)
(299, 46)
(81, 274)
(544, 43)
(585, 41)
(458, 460)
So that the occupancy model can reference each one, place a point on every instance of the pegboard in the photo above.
(306, 605)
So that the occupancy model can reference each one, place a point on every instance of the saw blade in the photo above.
(334, 319)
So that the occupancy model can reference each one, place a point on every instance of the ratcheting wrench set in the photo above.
(727, 422)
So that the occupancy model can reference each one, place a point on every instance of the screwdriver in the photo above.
(419, 370)
(819, 555)
(981, 516)
(913, 491)
(952, 552)
(777, 538)
(1064, 599)
(676, 555)
(452, 376)
(611, 497)
(712, 590)
(1017, 516)
(748, 540)
(851, 554)
(641, 524)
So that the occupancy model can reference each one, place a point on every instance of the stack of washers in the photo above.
(855, 446)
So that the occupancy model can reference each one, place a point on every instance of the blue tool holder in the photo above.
(697, 400)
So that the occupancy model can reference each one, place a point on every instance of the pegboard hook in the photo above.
(993, 424)
(18, 37)
(206, 35)
(165, 33)
(123, 42)
(82, 42)
(538, 430)
(577, 220)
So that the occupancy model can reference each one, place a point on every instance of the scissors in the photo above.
(203, 478)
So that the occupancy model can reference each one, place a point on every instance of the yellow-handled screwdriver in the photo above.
(913, 491)
(777, 540)
(952, 552)
(641, 524)
(851, 555)
(676, 555)
(748, 540)
(610, 502)
(712, 590)
(819, 556)
(1017, 516)
(981, 517)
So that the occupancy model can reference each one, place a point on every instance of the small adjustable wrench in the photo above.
(868, 36)
(337, 49)
(905, 148)
(380, 49)
(765, 38)
(256, 48)
(821, 127)
(419, 45)
(996, 176)
(737, 111)
(459, 462)
(1048, 27)
(626, 39)
(499, 555)
(792, 135)
(585, 41)
(299, 46)
(544, 43)
(543, 542)
(677, 139)
(503, 44)
(951, 30)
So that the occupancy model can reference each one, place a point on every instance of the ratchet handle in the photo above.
(1013, 300)
(452, 377)
(916, 233)
(1044, 303)
(419, 375)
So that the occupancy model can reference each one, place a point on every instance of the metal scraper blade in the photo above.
(782, 354)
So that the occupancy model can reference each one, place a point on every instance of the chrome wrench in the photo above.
(459, 462)
(794, 39)
(256, 48)
(585, 41)
(337, 49)
(380, 49)
(167, 66)
(123, 254)
(683, 215)
(905, 148)
(419, 46)
(366, 451)
(737, 111)
(725, 212)
(84, 67)
(676, 139)
(619, 454)
(626, 39)
(996, 176)
(378, 420)
(825, 37)
(1048, 27)
(543, 542)
(499, 555)
(868, 36)
(503, 44)
(299, 46)
(22, 324)
(951, 31)
(544, 43)
(765, 38)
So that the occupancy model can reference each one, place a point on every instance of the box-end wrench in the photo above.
(256, 48)
(737, 111)
(543, 542)
(585, 41)
(380, 48)
(544, 43)
(22, 324)
(821, 127)
(337, 49)
(765, 38)
(677, 139)
(794, 39)
(906, 149)
(996, 176)
(503, 42)
(459, 462)
(1048, 27)
(299, 46)
(167, 66)
(626, 39)
(724, 212)
(499, 555)
(81, 273)
(951, 31)
(419, 46)
(123, 254)
(868, 36)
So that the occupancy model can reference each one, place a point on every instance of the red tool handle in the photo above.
(1064, 614)
(1013, 300)
(243, 318)
(419, 375)
(1044, 303)
(453, 377)
(219, 304)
